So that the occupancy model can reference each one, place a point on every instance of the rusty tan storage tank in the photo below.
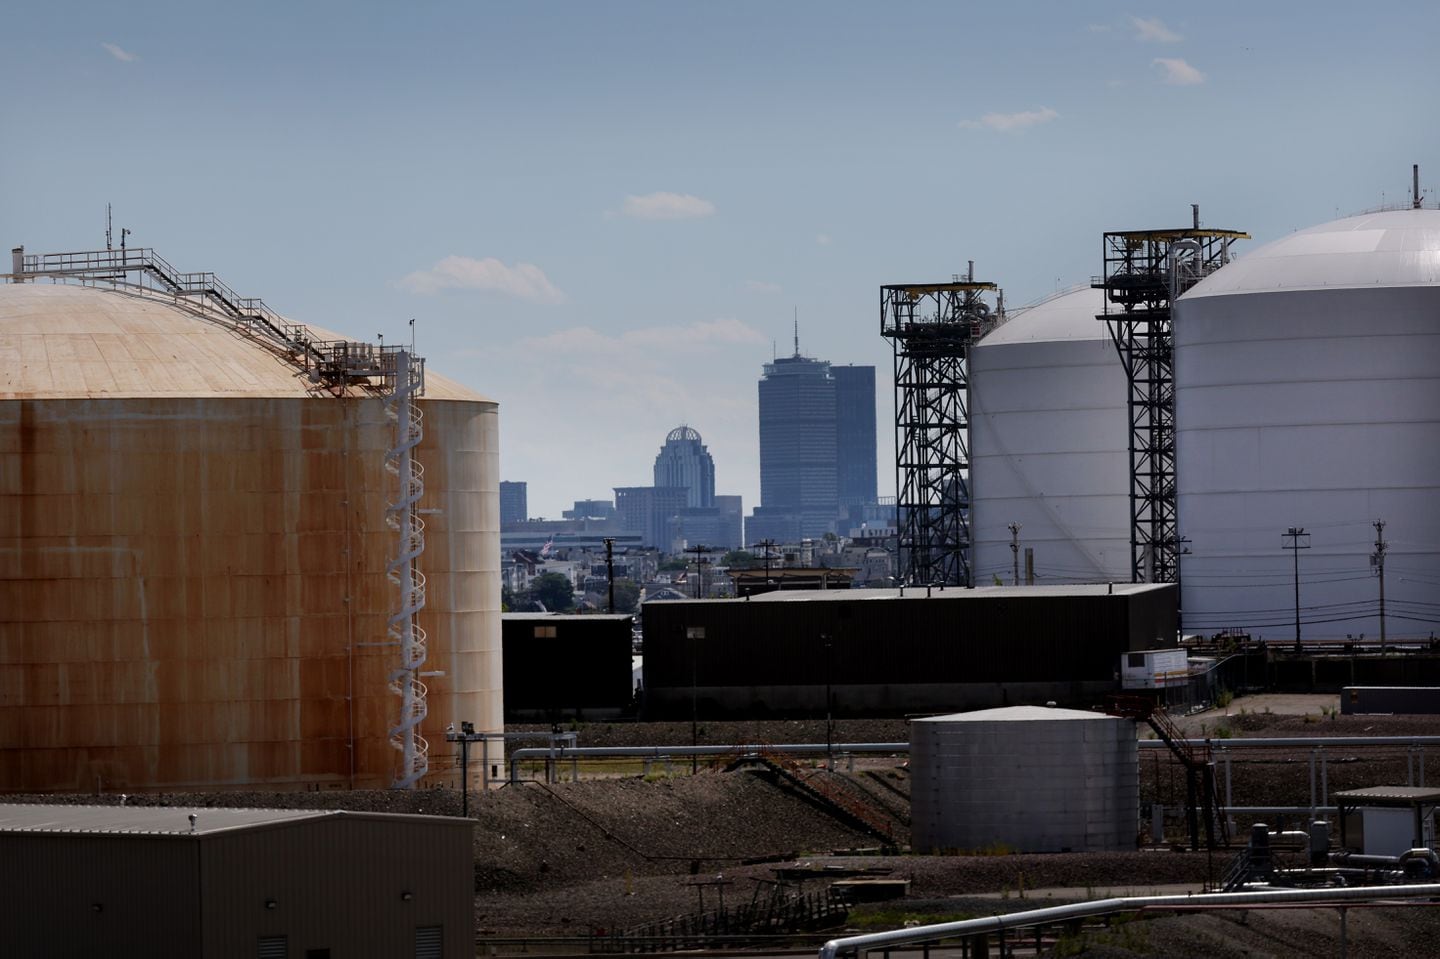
(193, 551)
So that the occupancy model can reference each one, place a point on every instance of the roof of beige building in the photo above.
(63, 341)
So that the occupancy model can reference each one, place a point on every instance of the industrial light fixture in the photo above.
(406, 896)
(271, 904)
(97, 907)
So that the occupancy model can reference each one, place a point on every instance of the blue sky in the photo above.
(604, 214)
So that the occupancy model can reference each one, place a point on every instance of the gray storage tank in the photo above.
(1026, 778)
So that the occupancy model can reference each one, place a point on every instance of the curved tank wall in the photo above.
(1308, 395)
(193, 558)
(1029, 778)
(1049, 445)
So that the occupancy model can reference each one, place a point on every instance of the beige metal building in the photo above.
(198, 583)
(170, 881)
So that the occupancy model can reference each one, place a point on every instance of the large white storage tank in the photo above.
(194, 556)
(1308, 395)
(1049, 444)
(1024, 778)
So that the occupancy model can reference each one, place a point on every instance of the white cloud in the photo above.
(524, 281)
(760, 286)
(823, 239)
(1011, 122)
(116, 51)
(1153, 30)
(667, 206)
(1178, 72)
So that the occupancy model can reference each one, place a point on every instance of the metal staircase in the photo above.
(1201, 787)
(821, 786)
(403, 516)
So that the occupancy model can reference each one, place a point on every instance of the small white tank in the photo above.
(1024, 779)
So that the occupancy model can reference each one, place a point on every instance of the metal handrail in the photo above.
(1272, 742)
(330, 361)
(750, 750)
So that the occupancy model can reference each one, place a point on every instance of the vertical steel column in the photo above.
(931, 327)
(1145, 271)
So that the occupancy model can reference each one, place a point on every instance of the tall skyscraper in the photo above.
(513, 505)
(684, 461)
(797, 442)
(855, 434)
(817, 446)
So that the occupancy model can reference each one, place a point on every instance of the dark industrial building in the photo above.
(560, 667)
(888, 651)
(172, 881)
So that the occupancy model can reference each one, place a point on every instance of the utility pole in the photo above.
(610, 569)
(1183, 543)
(1377, 560)
(1296, 534)
(699, 552)
(766, 545)
(1015, 551)
(829, 699)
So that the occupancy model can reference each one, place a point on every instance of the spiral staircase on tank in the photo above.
(403, 516)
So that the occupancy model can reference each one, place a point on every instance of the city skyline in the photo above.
(620, 208)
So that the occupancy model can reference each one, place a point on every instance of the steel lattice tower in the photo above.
(1146, 271)
(932, 326)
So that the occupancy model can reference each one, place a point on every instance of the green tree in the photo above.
(627, 595)
(738, 559)
(554, 591)
(507, 599)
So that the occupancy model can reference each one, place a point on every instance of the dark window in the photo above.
(1137, 660)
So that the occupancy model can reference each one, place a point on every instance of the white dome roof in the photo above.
(66, 341)
(1069, 315)
(1395, 248)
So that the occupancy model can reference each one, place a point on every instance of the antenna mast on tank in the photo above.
(1415, 186)
(107, 227)
(797, 332)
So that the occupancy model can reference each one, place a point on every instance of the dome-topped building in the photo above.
(685, 462)
(198, 561)
(1307, 388)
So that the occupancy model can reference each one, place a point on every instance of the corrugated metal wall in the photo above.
(189, 586)
(584, 669)
(79, 895)
(896, 655)
(339, 884)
